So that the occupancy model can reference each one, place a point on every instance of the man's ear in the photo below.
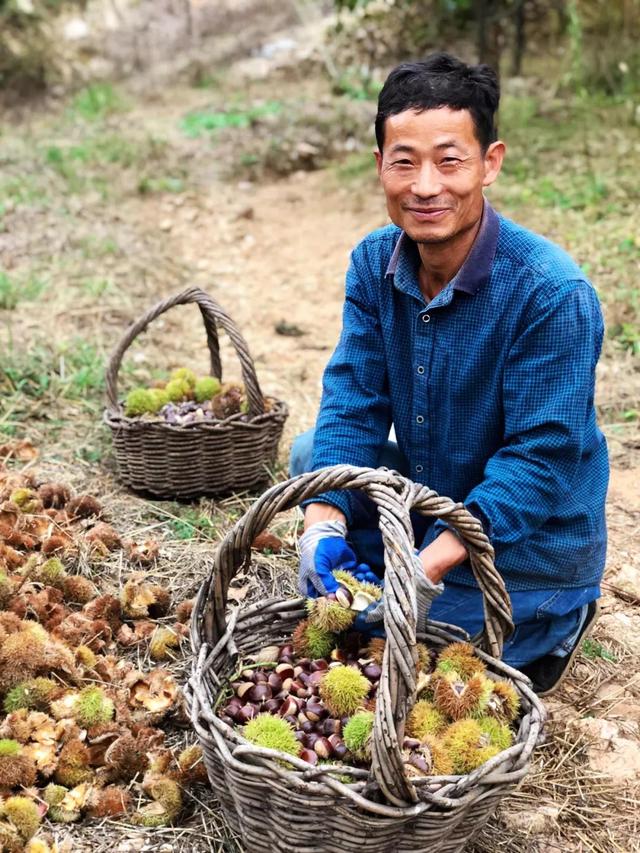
(493, 162)
(378, 157)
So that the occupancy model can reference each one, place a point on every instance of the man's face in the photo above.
(433, 171)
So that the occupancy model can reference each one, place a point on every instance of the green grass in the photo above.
(192, 524)
(199, 123)
(14, 290)
(97, 101)
(594, 650)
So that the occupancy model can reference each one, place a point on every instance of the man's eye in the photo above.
(450, 161)
(402, 163)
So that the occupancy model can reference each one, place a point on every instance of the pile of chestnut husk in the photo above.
(315, 696)
(83, 719)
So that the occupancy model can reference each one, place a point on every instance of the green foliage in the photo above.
(192, 524)
(16, 290)
(592, 649)
(198, 123)
(97, 101)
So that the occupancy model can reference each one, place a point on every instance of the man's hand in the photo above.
(431, 565)
(323, 550)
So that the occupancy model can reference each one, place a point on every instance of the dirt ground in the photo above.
(273, 252)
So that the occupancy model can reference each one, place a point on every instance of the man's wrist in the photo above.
(443, 554)
(319, 511)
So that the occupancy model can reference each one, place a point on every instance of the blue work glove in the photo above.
(371, 620)
(323, 550)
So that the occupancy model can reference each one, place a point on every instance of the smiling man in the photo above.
(478, 341)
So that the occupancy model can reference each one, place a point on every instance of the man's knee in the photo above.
(301, 456)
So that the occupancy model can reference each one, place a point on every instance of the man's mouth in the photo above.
(427, 214)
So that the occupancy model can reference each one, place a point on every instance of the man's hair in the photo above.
(441, 80)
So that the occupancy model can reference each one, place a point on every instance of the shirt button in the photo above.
(419, 469)
(421, 370)
(426, 318)
(419, 419)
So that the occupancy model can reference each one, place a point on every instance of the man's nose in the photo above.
(427, 182)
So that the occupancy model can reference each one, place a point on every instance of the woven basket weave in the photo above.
(211, 458)
(276, 802)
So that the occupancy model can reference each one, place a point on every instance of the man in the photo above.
(478, 341)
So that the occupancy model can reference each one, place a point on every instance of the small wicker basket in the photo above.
(210, 458)
(276, 802)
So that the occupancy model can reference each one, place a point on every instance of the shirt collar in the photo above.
(475, 270)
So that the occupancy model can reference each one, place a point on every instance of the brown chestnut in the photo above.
(284, 670)
(286, 651)
(315, 710)
(244, 688)
(310, 739)
(248, 675)
(307, 727)
(260, 676)
(305, 663)
(323, 747)
(340, 751)
(275, 682)
(344, 597)
(293, 721)
(290, 707)
(286, 685)
(410, 743)
(372, 671)
(318, 665)
(260, 693)
(331, 726)
(334, 740)
(309, 756)
(272, 706)
(246, 713)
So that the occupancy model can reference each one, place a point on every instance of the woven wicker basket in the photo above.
(275, 802)
(211, 458)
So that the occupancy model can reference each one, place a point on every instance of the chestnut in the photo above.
(340, 751)
(335, 741)
(315, 710)
(331, 726)
(420, 763)
(323, 747)
(275, 682)
(229, 721)
(286, 659)
(310, 739)
(284, 670)
(293, 721)
(305, 663)
(372, 671)
(410, 743)
(307, 727)
(246, 713)
(316, 677)
(272, 706)
(260, 692)
(286, 651)
(260, 676)
(244, 688)
(304, 678)
(286, 685)
(299, 736)
(290, 707)
(344, 597)
(309, 756)
(248, 675)
(318, 665)
(302, 718)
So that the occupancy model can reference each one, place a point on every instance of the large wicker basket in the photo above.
(210, 458)
(275, 802)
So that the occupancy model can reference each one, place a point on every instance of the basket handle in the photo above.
(212, 316)
(394, 497)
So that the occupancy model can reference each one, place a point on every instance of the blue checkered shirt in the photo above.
(490, 388)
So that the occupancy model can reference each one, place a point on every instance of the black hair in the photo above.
(442, 80)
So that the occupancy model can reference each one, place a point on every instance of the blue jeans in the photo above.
(547, 621)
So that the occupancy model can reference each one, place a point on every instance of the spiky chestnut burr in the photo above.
(425, 719)
(503, 702)
(272, 733)
(23, 814)
(205, 388)
(329, 616)
(457, 698)
(343, 690)
(16, 768)
(311, 641)
(357, 735)
(73, 764)
(460, 658)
